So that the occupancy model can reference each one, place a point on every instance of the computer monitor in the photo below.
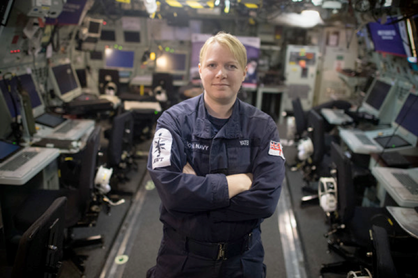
(119, 59)
(367, 84)
(12, 100)
(28, 84)
(344, 182)
(7, 149)
(132, 36)
(8, 88)
(6, 120)
(94, 27)
(406, 121)
(108, 35)
(96, 55)
(174, 63)
(64, 81)
(377, 96)
(18, 101)
(316, 132)
(120, 138)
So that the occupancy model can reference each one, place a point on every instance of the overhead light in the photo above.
(306, 19)
(217, 2)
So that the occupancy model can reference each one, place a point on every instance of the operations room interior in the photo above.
(83, 83)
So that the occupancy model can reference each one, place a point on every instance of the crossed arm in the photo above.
(236, 183)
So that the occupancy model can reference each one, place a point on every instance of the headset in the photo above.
(327, 192)
(305, 148)
(102, 179)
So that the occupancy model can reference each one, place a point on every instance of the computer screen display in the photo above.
(108, 35)
(65, 82)
(7, 149)
(94, 27)
(407, 117)
(378, 94)
(28, 85)
(131, 36)
(11, 97)
(96, 55)
(50, 120)
(171, 63)
(119, 59)
(35, 98)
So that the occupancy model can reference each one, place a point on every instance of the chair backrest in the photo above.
(300, 117)
(120, 138)
(164, 80)
(41, 246)
(106, 76)
(316, 132)
(383, 265)
(345, 187)
(88, 167)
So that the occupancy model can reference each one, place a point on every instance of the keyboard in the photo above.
(407, 182)
(18, 161)
(364, 139)
(66, 127)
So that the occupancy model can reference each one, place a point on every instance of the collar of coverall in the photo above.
(203, 128)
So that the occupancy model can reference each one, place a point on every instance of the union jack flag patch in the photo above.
(276, 149)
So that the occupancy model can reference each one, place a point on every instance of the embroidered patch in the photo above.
(161, 148)
(276, 149)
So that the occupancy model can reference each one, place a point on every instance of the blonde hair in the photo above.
(230, 41)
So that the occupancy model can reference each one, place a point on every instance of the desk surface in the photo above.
(335, 116)
(402, 196)
(407, 219)
(30, 168)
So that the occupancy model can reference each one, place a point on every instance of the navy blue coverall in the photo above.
(196, 210)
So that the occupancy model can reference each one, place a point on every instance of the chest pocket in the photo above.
(240, 155)
(198, 155)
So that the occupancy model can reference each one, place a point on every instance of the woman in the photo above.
(218, 167)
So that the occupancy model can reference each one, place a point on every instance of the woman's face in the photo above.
(221, 74)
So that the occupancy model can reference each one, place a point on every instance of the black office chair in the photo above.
(300, 118)
(109, 82)
(383, 265)
(317, 165)
(83, 207)
(120, 149)
(350, 224)
(40, 248)
(162, 83)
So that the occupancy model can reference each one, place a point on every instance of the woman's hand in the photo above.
(188, 169)
(239, 183)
